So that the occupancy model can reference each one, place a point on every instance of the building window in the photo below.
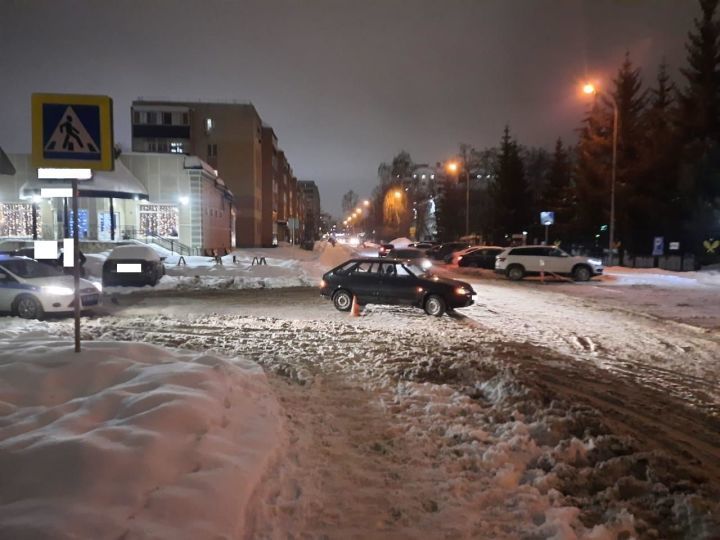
(136, 117)
(159, 219)
(151, 117)
(16, 219)
(212, 150)
(185, 119)
(176, 147)
(167, 118)
(209, 125)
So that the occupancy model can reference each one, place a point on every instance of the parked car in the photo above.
(452, 258)
(518, 262)
(384, 249)
(395, 282)
(417, 256)
(132, 266)
(439, 252)
(29, 252)
(9, 247)
(30, 289)
(480, 257)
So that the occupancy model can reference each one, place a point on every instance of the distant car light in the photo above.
(58, 291)
(425, 264)
(354, 241)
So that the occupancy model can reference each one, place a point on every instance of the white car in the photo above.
(518, 262)
(30, 289)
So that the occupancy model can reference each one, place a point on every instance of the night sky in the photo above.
(346, 84)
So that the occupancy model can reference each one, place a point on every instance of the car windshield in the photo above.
(27, 268)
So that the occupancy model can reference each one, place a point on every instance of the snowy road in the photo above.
(533, 414)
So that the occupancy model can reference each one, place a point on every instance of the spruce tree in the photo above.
(510, 189)
(558, 194)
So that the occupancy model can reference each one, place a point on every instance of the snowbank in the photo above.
(129, 440)
(285, 266)
(663, 278)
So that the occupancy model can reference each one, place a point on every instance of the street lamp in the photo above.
(454, 167)
(590, 89)
(366, 202)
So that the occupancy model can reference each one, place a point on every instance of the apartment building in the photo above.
(227, 136)
(311, 195)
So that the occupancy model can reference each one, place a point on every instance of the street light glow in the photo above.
(398, 194)
(366, 202)
(588, 88)
(452, 166)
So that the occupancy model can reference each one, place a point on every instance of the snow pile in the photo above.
(662, 278)
(126, 440)
(282, 267)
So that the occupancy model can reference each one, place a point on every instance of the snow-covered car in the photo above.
(30, 289)
(518, 262)
(132, 266)
(393, 282)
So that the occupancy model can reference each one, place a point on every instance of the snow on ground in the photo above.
(287, 266)
(129, 440)
(404, 426)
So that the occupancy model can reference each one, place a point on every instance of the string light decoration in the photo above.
(16, 219)
(160, 219)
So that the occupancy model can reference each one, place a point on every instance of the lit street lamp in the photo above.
(589, 89)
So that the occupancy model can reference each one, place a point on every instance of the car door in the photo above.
(8, 290)
(555, 261)
(397, 284)
(363, 282)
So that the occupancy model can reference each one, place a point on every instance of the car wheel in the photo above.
(515, 272)
(435, 305)
(28, 307)
(581, 273)
(342, 300)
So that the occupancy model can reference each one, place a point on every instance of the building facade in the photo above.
(311, 202)
(173, 200)
(227, 136)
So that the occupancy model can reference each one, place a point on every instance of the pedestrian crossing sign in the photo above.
(72, 131)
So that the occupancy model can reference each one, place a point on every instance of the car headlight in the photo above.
(322, 284)
(425, 264)
(596, 262)
(461, 290)
(58, 291)
(98, 285)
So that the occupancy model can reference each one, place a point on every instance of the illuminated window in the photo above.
(159, 219)
(16, 219)
(176, 147)
(209, 125)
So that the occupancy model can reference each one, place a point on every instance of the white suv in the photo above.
(518, 262)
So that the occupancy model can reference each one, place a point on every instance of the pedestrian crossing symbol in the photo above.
(72, 131)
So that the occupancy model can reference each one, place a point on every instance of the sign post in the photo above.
(72, 132)
(547, 219)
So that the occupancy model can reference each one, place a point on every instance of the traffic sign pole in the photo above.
(76, 261)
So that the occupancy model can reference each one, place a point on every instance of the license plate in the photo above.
(90, 299)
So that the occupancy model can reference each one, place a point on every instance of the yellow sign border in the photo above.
(106, 161)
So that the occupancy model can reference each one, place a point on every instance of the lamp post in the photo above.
(590, 88)
(453, 168)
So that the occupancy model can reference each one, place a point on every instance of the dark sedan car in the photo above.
(395, 282)
(439, 252)
(132, 265)
(482, 257)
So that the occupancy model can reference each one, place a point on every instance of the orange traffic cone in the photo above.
(355, 308)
